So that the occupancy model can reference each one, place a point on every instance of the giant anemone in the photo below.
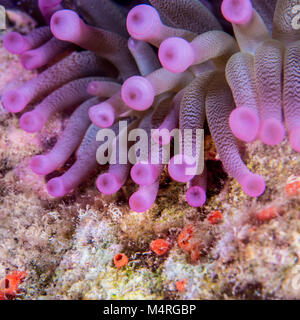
(161, 66)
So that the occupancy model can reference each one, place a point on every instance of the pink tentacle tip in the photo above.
(182, 168)
(66, 25)
(294, 138)
(237, 11)
(196, 196)
(138, 93)
(31, 60)
(144, 174)
(31, 122)
(132, 43)
(41, 165)
(253, 184)
(161, 136)
(14, 101)
(176, 54)
(141, 201)
(244, 123)
(272, 132)
(108, 183)
(102, 115)
(15, 43)
(56, 187)
(94, 88)
(142, 22)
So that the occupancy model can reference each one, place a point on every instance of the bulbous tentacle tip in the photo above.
(253, 184)
(237, 11)
(107, 183)
(272, 132)
(102, 115)
(66, 25)
(93, 88)
(161, 136)
(41, 165)
(15, 43)
(182, 168)
(196, 196)
(140, 202)
(294, 138)
(56, 187)
(31, 122)
(14, 101)
(31, 60)
(141, 21)
(144, 174)
(176, 54)
(138, 93)
(133, 43)
(244, 124)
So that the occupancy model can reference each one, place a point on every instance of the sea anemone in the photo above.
(178, 69)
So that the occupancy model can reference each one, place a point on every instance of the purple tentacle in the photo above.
(77, 65)
(67, 142)
(16, 43)
(219, 105)
(107, 44)
(69, 95)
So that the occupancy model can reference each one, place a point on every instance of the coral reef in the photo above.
(179, 69)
